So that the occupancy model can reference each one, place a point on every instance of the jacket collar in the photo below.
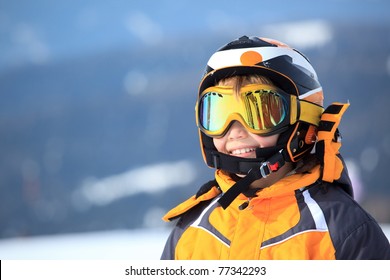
(284, 186)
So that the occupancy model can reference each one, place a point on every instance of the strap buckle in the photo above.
(267, 168)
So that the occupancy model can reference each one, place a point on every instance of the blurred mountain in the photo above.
(75, 130)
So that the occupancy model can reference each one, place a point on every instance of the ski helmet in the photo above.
(289, 70)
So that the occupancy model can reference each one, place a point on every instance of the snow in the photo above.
(142, 244)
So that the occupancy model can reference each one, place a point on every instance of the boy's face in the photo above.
(238, 141)
(241, 143)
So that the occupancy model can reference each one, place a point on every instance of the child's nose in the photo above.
(237, 131)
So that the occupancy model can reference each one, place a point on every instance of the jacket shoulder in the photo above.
(354, 232)
(206, 193)
(188, 211)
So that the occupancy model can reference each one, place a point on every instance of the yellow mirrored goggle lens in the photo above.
(260, 110)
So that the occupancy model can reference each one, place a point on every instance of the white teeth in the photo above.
(242, 151)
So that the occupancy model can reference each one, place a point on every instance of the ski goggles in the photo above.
(262, 109)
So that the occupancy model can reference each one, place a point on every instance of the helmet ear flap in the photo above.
(301, 140)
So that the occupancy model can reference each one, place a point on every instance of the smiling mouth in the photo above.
(242, 151)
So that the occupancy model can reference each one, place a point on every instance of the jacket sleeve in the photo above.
(187, 212)
(170, 245)
(184, 221)
(367, 242)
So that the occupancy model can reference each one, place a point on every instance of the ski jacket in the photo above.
(300, 217)
(303, 216)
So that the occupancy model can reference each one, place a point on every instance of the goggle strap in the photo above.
(310, 112)
(273, 164)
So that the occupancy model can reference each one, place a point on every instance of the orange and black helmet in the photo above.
(289, 70)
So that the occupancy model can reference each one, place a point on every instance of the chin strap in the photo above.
(273, 164)
(238, 165)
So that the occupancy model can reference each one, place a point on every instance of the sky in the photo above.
(41, 31)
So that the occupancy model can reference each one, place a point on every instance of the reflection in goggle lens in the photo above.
(260, 110)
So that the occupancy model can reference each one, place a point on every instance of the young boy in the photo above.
(281, 189)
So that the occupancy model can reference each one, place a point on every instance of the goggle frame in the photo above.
(291, 107)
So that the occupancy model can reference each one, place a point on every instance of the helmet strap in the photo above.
(238, 165)
(273, 164)
(267, 161)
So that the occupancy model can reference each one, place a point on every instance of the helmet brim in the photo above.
(280, 80)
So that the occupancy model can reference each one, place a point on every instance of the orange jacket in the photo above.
(302, 216)
(299, 217)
